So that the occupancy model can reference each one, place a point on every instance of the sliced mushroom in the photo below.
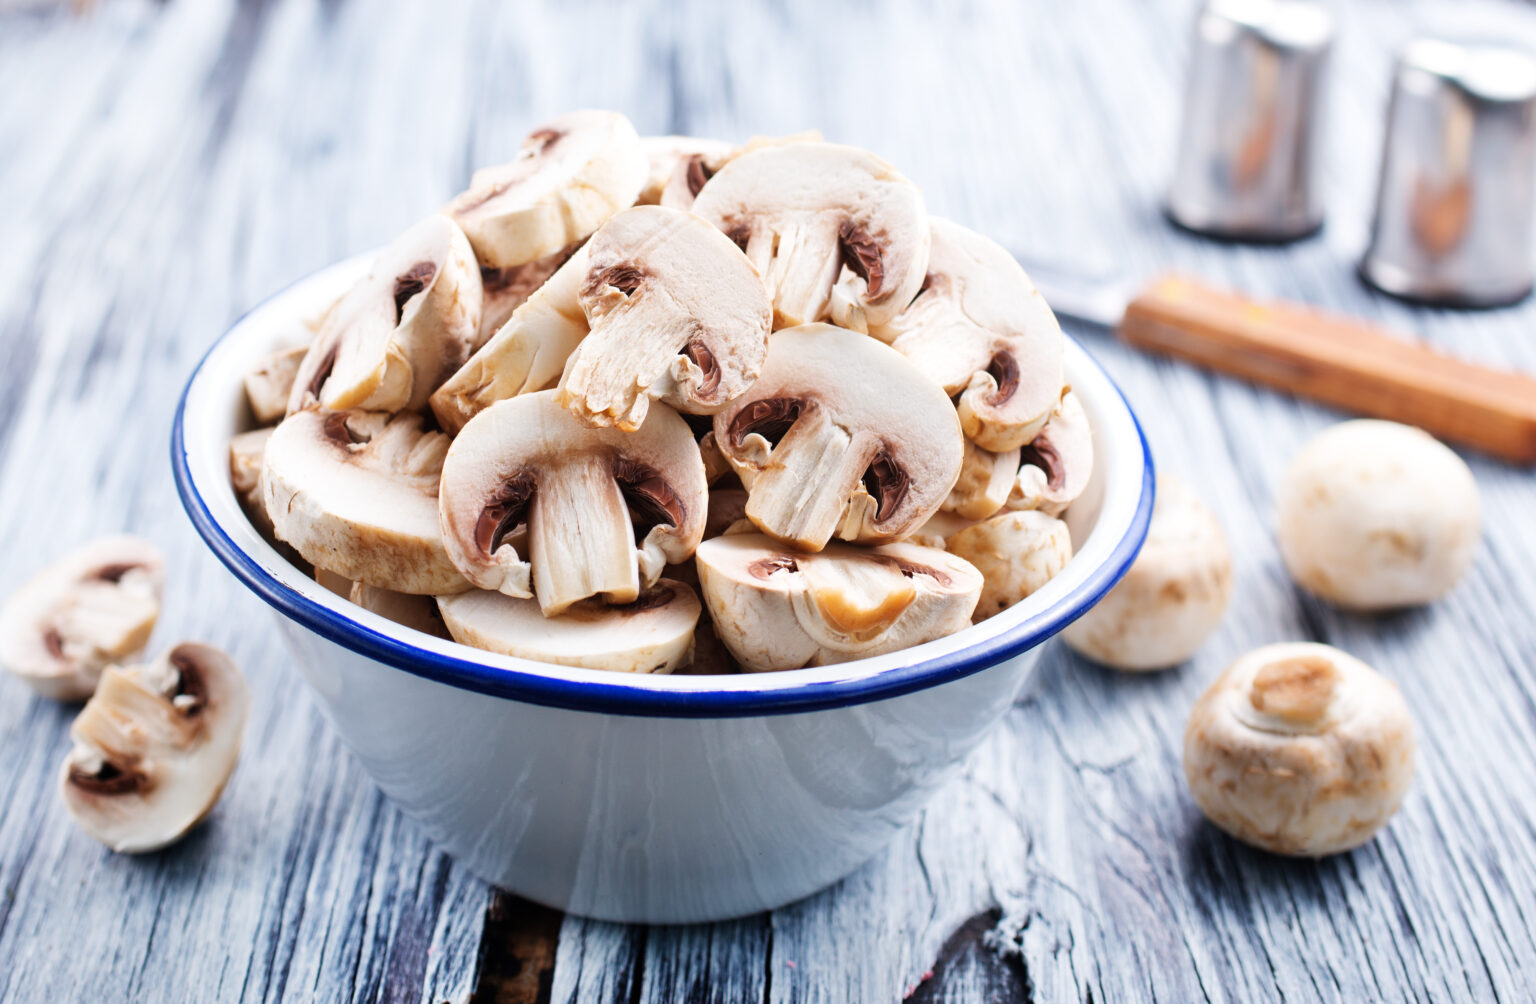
(693, 170)
(985, 483)
(677, 314)
(940, 527)
(526, 355)
(1055, 466)
(716, 466)
(605, 510)
(410, 610)
(777, 608)
(245, 459)
(356, 493)
(689, 156)
(268, 386)
(92, 607)
(840, 435)
(980, 329)
(652, 634)
(338, 584)
(571, 174)
(727, 513)
(399, 331)
(1017, 553)
(806, 213)
(506, 289)
(155, 747)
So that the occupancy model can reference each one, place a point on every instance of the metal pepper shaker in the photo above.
(1456, 203)
(1251, 140)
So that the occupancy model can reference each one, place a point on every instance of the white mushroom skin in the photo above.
(1173, 597)
(986, 481)
(1300, 749)
(155, 747)
(269, 385)
(652, 634)
(776, 608)
(1374, 515)
(1055, 466)
(979, 328)
(1017, 553)
(94, 606)
(807, 213)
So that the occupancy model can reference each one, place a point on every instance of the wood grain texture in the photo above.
(167, 167)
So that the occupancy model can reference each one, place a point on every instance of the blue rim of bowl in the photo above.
(619, 697)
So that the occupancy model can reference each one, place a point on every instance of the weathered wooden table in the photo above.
(164, 167)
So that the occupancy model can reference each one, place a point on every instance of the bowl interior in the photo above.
(1108, 525)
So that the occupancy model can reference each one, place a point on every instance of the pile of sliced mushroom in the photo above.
(657, 404)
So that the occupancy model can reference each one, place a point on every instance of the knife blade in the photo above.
(1335, 359)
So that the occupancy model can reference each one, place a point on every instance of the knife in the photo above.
(1337, 360)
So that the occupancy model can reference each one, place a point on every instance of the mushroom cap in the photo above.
(1374, 515)
(1173, 597)
(410, 610)
(693, 158)
(154, 748)
(676, 312)
(805, 212)
(777, 608)
(92, 607)
(1016, 552)
(570, 175)
(355, 493)
(653, 634)
(1055, 466)
(268, 386)
(400, 330)
(1300, 749)
(986, 482)
(980, 328)
(585, 493)
(840, 434)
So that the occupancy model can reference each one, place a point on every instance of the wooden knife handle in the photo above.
(1339, 361)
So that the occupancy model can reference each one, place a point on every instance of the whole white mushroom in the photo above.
(1300, 749)
(1375, 515)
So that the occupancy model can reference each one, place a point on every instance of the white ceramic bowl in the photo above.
(646, 798)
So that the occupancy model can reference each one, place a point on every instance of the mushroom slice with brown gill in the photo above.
(677, 313)
(688, 156)
(986, 481)
(807, 213)
(1016, 552)
(980, 329)
(691, 170)
(410, 610)
(92, 607)
(400, 330)
(155, 747)
(840, 435)
(651, 634)
(269, 385)
(1055, 466)
(506, 289)
(571, 174)
(528, 354)
(777, 608)
(605, 510)
(355, 493)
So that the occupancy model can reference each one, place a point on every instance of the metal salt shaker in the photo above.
(1251, 142)
(1454, 206)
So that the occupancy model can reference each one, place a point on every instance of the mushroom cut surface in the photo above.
(676, 312)
(777, 608)
(694, 159)
(355, 493)
(403, 328)
(652, 634)
(570, 175)
(840, 436)
(1054, 466)
(154, 748)
(810, 214)
(92, 607)
(604, 510)
(980, 329)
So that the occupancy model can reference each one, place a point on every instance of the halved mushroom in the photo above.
(778, 608)
(677, 314)
(398, 332)
(528, 354)
(605, 510)
(92, 607)
(246, 450)
(571, 174)
(356, 493)
(1016, 552)
(985, 483)
(840, 435)
(807, 212)
(506, 289)
(155, 747)
(939, 528)
(691, 171)
(1055, 466)
(408, 609)
(981, 330)
(652, 634)
(268, 386)
(688, 156)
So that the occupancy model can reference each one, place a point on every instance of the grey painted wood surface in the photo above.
(165, 167)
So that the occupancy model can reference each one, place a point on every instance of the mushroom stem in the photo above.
(590, 548)
(791, 494)
(850, 603)
(622, 359)
(799, 264)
